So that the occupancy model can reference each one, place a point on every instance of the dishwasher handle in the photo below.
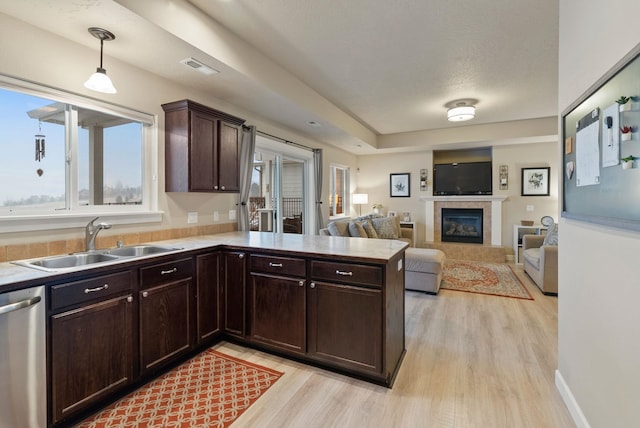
(19, 305)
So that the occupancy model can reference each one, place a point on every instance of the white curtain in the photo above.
(247, 148)
(317, 171)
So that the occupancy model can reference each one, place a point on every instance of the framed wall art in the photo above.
(535, 181)
(399, 185)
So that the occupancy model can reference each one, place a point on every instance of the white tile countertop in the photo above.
(362, 249)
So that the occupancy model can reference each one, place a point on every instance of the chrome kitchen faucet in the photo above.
(91, 231)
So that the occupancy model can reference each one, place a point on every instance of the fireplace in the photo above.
(462, 225)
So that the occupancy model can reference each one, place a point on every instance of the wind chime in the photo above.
(39, 143)
(40, 148)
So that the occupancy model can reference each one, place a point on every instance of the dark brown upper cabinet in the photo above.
(202, 148)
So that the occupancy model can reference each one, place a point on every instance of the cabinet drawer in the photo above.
(278, 265)
(165, 272)
(76, 292)
(347, 272)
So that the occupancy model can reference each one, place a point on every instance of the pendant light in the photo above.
(99, 81)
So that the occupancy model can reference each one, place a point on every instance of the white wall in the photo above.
(373, 179)
(598, 315)
(32, 54)
(514, 207)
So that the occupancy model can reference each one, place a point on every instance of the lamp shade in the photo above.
(99, 81)
(360, 198)
(461, 113)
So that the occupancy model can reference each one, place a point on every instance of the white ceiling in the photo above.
(360, 68)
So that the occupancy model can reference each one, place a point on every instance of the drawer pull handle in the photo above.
(301, 283)
(145, 294)
(271, 264)
(343, 273)
(129, 299)
(312, 285)
(167, 272)
(241, 256)
(93, 290)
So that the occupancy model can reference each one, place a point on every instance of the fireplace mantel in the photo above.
(465, 198)
(496, 213)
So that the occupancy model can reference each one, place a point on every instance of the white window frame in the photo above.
(346, 202)
(77, 216)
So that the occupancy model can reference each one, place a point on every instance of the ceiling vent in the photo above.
(197, 65)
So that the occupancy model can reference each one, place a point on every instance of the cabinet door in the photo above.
(278, 311)
(229, 157)
(91, 354)
(345, 326)
(165, 323)
(208, 312)
(235, 271)
(203, 157)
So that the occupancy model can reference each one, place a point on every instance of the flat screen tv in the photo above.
(462, 178)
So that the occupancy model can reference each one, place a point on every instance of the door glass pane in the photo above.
(292, 192)
(261, 202)
(276, 199)
(32, 147)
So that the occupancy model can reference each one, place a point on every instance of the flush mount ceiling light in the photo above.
(461, 112)
(99, 81)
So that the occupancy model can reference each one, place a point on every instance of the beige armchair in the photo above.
(541, 261)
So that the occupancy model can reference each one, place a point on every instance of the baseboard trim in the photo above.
(571, 403)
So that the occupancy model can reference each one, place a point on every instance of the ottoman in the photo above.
(423, 269)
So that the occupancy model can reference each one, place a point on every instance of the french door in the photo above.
(280, 187)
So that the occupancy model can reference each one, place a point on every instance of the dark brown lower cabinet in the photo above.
(165, 313)
(233, 292)
(91, 354)
(345, 326)
(278, 311)
(107, 331)
(207, 296)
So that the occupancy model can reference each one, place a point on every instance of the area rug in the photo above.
(497, 279)
(210, 390)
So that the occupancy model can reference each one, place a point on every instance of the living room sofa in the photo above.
(540, 260)
(369, 226)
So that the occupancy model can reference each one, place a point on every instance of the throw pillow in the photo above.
(398, 230)
(356, 230)
(551, 238)
(385, 227)
(338, 228)
(368, 227)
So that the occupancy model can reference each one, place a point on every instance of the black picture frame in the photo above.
(400, 185)
(535, 181)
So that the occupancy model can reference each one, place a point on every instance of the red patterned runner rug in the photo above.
(210, 390)
(497, 279)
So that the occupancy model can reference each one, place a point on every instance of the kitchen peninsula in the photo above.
(334, 302)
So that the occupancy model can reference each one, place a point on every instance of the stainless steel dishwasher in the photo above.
(23, 396)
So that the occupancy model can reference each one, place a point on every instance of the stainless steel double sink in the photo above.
(96, 257)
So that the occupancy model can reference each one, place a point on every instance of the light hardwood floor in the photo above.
(472, 361)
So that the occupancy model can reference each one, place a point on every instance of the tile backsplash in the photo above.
(50, 248)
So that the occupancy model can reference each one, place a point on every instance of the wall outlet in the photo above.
(529, 208)
(232, 214)
(216, 216)
(192, 218)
